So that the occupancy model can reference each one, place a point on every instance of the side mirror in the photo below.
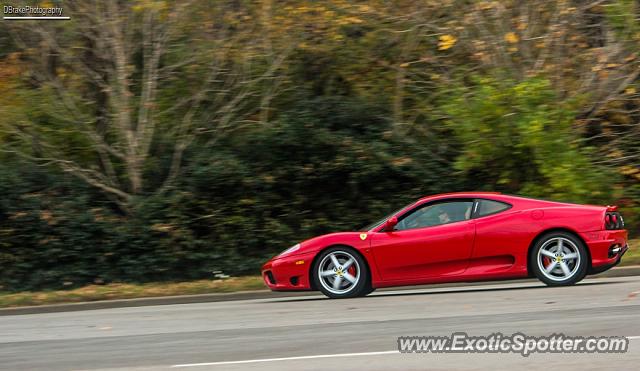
(390, 224)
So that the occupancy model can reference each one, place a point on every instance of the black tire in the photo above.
(368, 291)
(570, 245)
(346, 288)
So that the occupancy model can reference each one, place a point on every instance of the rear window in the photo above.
(488, 207)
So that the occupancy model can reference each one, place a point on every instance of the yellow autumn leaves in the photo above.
(447, 41)
(145, 5)
(511, 38)
(630, 171)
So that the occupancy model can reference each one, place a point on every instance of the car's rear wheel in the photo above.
(340, 272)
(559, 259)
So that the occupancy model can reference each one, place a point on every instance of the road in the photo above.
(325, 334)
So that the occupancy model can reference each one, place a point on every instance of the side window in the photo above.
(488, 207)
(436, 214)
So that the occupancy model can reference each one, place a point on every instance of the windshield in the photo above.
(379, 222)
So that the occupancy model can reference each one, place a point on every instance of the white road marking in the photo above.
(288, 358)
(305, 357)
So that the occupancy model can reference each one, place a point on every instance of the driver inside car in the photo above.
(444, 217)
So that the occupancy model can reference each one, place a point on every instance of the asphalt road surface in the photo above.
(313, 333)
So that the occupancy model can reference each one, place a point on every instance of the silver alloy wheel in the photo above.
(559, 259)
(339, 272)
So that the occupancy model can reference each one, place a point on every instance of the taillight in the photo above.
(613, 220)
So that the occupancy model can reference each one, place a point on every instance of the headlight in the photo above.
(290, 250)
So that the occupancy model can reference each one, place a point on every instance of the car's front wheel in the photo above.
(340, 272)
(559, 259)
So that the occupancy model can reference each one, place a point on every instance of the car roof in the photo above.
(461, 195)
(523, 202)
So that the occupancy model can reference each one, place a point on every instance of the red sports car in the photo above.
(457, 237)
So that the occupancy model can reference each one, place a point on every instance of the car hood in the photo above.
(354, 239)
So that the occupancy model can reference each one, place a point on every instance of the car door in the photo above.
(433, 239)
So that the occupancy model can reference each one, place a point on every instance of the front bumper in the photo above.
(288, 273)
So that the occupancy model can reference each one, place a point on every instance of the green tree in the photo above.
(517, 137)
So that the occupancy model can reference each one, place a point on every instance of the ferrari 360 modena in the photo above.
(453, 237)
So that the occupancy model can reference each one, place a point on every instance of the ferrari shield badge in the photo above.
(363, 236)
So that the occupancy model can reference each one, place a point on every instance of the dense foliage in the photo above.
(188, 147)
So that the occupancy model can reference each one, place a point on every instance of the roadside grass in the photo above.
(130, 291)
(632, 257)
